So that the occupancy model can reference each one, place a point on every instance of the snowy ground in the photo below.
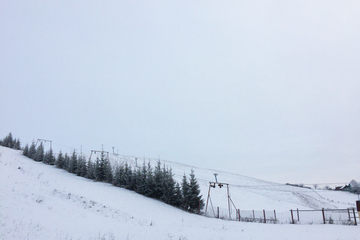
(38, 201)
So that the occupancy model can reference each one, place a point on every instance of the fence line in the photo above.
(323, 216)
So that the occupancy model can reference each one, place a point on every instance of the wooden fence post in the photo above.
(218, 212)
(254, 215)
(292, 217)
(275, 215)
(323, 213)
(298, 217)
(239, 214)
(264, 216)
(354, 216)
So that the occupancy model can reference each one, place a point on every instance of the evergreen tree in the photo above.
(108, 171)
(90, 174)
(128, 177)
(49, 157)
(99, 176)
(158, 181)
(32, 150)
(103, 169)
(178, 200)
(150, 183)
(66, 162)
(26, 150)
(194, 197)
(168, 186)
(99, 171)
(73, 165)
(39, 155)
(8, 141)
(137, 179)
(118, 176)
(185, 193)
(82, 168)
(60, 161)
(17, 144)
(141, 175)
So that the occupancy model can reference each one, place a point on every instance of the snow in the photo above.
(38, 201)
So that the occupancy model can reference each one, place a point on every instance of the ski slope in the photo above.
(38, 201)
(250, 193)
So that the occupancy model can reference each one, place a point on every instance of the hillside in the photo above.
(251, 193)
(38, 201)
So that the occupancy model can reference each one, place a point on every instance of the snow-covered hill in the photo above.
(38, 201)
(251, 193)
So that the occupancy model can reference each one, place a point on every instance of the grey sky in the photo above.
(268, 89)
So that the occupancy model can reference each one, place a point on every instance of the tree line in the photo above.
(10, 142)
(155, 182)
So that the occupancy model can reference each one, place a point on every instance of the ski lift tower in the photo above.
(220, 185)
(98, 151)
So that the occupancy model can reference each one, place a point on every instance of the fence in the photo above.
(262, 216)
(256, 216)
(324, 216)
(347, 216)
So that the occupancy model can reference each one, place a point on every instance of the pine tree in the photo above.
(90, 174)
(100, 168)
(178, 200)
(8, 141)
(128, 177)
(118, 176)
(32, 150)
(60, 161)
(26, 150)
(158, 181)
(39, 155)
(150, 183)
(141, 175)
(16, 144)
(195, 199)
(73, 163)
(82, 168)
(66, 162)
(185, 193)
(49, 157)
(108, 171)
(168, 186)
(45, 159)
(171, 187)
(137, 178)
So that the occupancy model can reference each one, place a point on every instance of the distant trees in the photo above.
(49, 158)
(39, 154)
(10, 142)
(157, 183)
(60, 161)
(32, 150)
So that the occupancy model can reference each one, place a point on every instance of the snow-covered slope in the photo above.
(251, 193)
(38, 201)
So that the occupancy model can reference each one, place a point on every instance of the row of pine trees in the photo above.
(10, 142)
(157, 182)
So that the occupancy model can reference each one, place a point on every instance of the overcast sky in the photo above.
(267, 89)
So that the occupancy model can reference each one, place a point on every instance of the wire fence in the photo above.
(347, 216)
